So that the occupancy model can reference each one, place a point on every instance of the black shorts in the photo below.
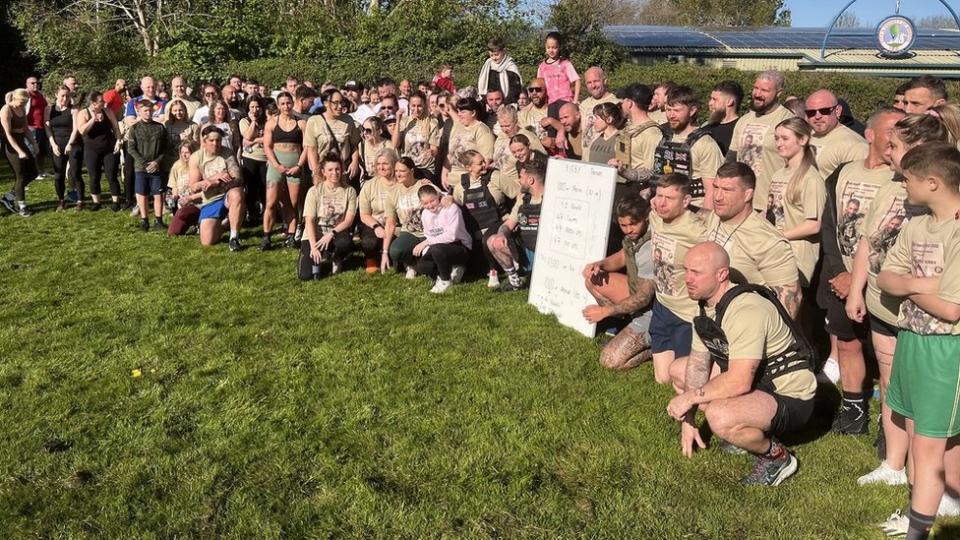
(792, 414)
(883, 328)
(838, 324)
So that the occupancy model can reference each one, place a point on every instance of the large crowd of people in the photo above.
(739, 241)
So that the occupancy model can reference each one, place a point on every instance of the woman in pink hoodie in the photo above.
(446, 247)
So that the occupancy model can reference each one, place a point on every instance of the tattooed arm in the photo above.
(790, 296)
(636, 301)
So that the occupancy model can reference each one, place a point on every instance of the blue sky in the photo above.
(821, 12)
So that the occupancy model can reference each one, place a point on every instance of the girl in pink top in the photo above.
(444, 251)
(558, 72)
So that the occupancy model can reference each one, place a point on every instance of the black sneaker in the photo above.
(234, 244)
(771, 472)
(144, 225)
(159, 225)
(115, 206)
(851, 420)
(290, 242)
(265, 244)
(506, 286)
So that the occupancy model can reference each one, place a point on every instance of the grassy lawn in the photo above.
(358, 406)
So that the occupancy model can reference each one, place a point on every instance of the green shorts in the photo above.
(925, 383)
(287, 159)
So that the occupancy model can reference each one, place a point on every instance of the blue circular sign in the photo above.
(896, 35)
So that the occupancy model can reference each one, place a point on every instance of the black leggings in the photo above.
(75, 160)
(339, 248)
(371, 245)
(440, 259)
(129, 178)
(255, 180)
(24, 171)
(97, 163)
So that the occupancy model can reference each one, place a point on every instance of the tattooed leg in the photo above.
(626, 350)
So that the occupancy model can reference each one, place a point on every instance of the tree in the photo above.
(937, 22)
(848, 19)
(716, 13)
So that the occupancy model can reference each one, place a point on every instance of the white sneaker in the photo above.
(411, 273)
(832, 370)
(884, 474)
(335, 268)
(949, 506)
(493, 280)
(135, 211)
(440, 286)
(456, 273)
(895, 525)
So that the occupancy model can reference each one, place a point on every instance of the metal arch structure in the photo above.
(833, 23)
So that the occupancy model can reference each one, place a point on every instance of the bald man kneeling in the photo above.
(749, 369)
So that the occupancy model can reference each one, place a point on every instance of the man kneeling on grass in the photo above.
(749, 369)
(214, 171)
(625, 295)
(516, 240)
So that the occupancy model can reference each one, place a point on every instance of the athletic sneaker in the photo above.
(144, 225)
(949, 507)
(441, 286)
(336, 267)
(456, 273)
(771, 472)
(831, 370)
(114, 206)
(265, 244)
(298, 233)
(290, 242)
(493, 280)
(134, 211)
(234, 244)
(895, 525)
(508, 286)
(411, 273)
(371, 266)
(24, 212)
(884, 474)
(851, 420)
(159, 225)
(61, 206)
(8, 204)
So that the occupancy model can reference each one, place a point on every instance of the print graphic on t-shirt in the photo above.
(409, 212)
(885, 235)
(927, 261)
(664, 253)
(330, 209)
(775, 214)
(751, 147)
(415, 144)
(210, 169)
(500, 156)
(855, 203)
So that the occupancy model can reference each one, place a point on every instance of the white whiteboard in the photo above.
(574, 226)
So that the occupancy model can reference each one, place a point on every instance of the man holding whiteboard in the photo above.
(620, 295)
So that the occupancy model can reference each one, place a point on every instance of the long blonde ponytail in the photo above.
(800, 128)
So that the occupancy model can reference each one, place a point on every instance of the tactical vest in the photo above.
(482, 210)
(798, 356)
(677, 157)
(625, 141)
(528, 221)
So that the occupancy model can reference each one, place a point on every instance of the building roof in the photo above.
(679, 37)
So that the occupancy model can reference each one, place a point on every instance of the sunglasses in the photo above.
(534, 89)
(388, 107)
(209, 93)
(825, 111)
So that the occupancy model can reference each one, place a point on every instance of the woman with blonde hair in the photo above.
(372, 201)
(949, 116)
(17, 142)
(797, 194)
(418, 136)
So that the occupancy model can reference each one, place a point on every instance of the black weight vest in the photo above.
(798, 356)
(677, 157)
(528, 221)
(482, 210)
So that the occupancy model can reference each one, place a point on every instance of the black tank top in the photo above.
(100, 137)
(294, 136)
(61, 123)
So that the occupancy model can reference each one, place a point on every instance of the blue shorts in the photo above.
(145, 183)
(214, 210)
(669, 332)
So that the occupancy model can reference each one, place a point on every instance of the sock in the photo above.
(776, 451)
(22, 204)
(233, 234)
(852, 400)
(512, 276)
(920, 525)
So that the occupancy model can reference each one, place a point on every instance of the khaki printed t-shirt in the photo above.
(758, 251)
(882, 226)
(213, 165)
(344, 130)
(755, 330)
(928, 248)
(670, 243)
(404, 203)
(529, 118)
(754, 144)
(255, 151)
(328, 206)
(370, 152)
(463, 138)
(503, 160)
(637, 145)
(841, 145)
(373, 197)
(418, 135)
(857, 187)
(786, 214)
(586, 118)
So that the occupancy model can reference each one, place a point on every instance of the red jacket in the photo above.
(38, 104)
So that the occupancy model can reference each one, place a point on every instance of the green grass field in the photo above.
(358, 406)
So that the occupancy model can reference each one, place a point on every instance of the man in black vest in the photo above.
(749, 368)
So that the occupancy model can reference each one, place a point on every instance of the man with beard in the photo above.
(637, 142)
(724, 106)
(570, 137)
(851, 190)
(759, 125)
(690, 151)
(835, 142)
(596, 81)
(178, 88)
(492, 101)
(500, 72)
(538, 116)
(658, 105)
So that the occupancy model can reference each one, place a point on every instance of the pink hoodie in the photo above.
(446, 226)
